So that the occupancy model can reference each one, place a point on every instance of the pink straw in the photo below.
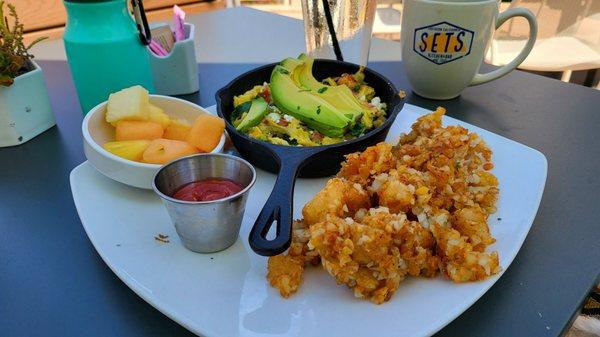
(157, 49)
(178, 19)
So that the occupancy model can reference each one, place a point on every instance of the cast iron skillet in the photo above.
(290, 161)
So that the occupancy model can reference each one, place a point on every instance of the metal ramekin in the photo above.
(205, 226)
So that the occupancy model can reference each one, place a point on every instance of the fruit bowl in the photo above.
(96, 131)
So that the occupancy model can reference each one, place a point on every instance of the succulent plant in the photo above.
(14, 54)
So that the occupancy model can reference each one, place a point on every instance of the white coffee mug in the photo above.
(444, 42)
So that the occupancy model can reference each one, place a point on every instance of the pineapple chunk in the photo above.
(128, 104)
(178, 130)
(128, 149)
(159, 116)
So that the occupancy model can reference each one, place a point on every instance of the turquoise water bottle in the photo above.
(106, 50)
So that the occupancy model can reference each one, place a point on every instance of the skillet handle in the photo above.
(278, 209)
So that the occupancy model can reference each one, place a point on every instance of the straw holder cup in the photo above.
(177, 72)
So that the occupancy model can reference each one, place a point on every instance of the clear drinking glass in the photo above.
(352, 22)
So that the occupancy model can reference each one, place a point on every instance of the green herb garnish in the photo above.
(357, 130)
(288, 139)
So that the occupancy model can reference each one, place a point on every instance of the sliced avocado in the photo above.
(312, 110)
(239, 111)
(290, 63)
(305, 76)
(258, 110)
(294, 65)
(339, 96)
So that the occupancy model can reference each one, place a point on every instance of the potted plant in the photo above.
(25, 109)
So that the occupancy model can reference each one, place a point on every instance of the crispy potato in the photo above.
(285, 273)
(393, 193)
(415, 242)
(299, 245)
(339, 197)
(472, 223)
(361, 167)
(360, 256)
(459, 261)
(413, 209)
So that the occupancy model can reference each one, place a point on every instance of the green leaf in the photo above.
(14, 54)
(36, 41)
(357, 130)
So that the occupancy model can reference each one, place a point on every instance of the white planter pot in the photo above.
(25, 109)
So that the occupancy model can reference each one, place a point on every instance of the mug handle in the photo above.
(533, 28)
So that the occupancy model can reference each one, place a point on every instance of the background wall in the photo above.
(48, 17)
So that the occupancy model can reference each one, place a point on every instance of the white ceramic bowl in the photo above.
(96, 131)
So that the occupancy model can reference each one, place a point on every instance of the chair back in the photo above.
(573, 18)
(568, 36)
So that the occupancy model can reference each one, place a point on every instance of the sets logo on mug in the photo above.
(443, 42)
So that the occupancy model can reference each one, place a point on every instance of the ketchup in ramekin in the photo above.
(207, 190)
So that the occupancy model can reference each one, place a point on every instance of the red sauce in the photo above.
(207, 190)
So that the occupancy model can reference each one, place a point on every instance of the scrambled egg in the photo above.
(248, 95)
(284, 129)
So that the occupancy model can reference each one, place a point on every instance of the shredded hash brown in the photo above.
(412, 209)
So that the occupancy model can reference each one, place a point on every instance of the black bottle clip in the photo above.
(141, 22)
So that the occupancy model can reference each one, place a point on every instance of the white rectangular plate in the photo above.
(226, 293)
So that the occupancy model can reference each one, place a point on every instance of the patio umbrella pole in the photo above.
(334, 40)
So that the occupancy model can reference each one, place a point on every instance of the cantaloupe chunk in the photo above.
(158, 115)
(206, 132)
(136, 130)
(131, 104)
(162, 151)
(129, 149)
(177, 130)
